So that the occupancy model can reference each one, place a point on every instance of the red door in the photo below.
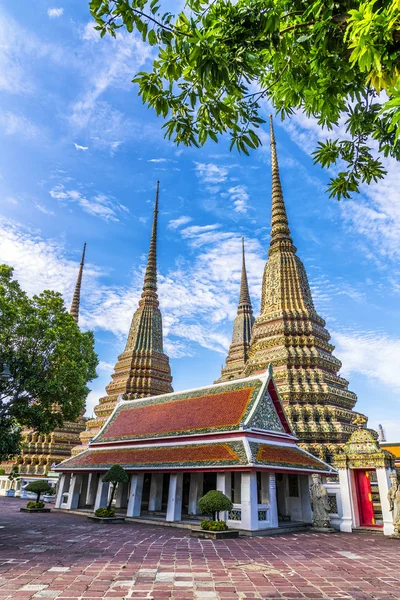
(367, 515)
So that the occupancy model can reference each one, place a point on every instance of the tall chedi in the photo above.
(41, 451)
(291, 336)
(239, 348)
(143, 368)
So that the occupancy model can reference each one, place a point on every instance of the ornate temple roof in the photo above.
(362, 451)
(228, 425)
(222, 407)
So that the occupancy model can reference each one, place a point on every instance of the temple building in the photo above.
(232, 436)
(290, 335)
(143, 368)
(43, 451)
(279, 386)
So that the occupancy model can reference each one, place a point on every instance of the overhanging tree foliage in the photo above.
(218, 59)
(45, 363)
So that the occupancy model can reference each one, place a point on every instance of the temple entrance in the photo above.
(209, 482)
(367, 498)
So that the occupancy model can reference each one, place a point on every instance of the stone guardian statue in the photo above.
(394, 502)
(319, 503)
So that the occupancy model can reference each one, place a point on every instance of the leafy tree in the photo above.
(217, 60)
(39, 487)
(14, 476)
(116, 474)
(214, 502)
(45, 363)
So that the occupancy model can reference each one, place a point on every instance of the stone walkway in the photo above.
(65, 556)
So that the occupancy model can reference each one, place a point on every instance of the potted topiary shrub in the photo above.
(13, 477)
(213, 503)
(116, 474)
(37, 487)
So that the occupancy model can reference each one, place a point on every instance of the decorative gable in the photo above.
(265, 416)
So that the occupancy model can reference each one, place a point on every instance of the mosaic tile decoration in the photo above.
(285, 456)
(172, 456)
(221, 408)
(265, 416)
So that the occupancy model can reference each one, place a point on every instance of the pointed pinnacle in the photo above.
(150, 278)
(244, 297)
(75, 304)
(279, 221)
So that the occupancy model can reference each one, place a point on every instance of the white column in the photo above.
(102, 494)
(174, 509)
(382, 476)
(121, 495)
(74, 491)
(249, 501)
(91, 489)
(307, 514)
(273, 503)
(195, 492)
(346, 523)
(135, 495)
(155, 497)
(60, 490)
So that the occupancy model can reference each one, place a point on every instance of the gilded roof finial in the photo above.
(279, 221)
(150, 278)
(74, 310)
(244, 297)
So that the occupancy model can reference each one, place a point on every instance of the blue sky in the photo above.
(79, 158)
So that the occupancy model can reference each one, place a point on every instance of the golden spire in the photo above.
(280, 231)
(142, 369)
(150, 278)
(241, 335)
(74, 310)
(244, 297)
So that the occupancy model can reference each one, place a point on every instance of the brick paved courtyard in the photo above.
(67, 557)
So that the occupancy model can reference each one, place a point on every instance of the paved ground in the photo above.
(65, 556)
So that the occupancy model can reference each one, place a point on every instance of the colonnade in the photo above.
(256, 503)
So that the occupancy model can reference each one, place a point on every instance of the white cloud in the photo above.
(17, 124)
(100, 205)
(211, 173)
(112, 65)
(176, 223)
(43, 209)
(240, 198)
(159, 160)
(19, 48)
(78, 147)
(54, 13)
(377, 356)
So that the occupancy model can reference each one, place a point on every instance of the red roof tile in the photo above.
(287, 457)
(172, 456)
(204, 413)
